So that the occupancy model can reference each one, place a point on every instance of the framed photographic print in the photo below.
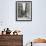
(23, 10)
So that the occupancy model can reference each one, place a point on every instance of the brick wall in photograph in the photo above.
(11, 40)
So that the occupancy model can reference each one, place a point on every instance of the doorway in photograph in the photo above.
(23, 10)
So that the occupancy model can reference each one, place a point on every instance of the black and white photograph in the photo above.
(23, 10)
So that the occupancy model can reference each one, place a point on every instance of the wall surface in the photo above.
(39, 18)
(30, 29)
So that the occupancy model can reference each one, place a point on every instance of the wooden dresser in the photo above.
(11, 40)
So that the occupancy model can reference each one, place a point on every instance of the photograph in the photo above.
(23, 10)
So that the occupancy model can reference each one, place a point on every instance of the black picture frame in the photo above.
(31, 43)
(17, 13)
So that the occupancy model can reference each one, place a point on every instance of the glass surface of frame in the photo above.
(38, 44)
